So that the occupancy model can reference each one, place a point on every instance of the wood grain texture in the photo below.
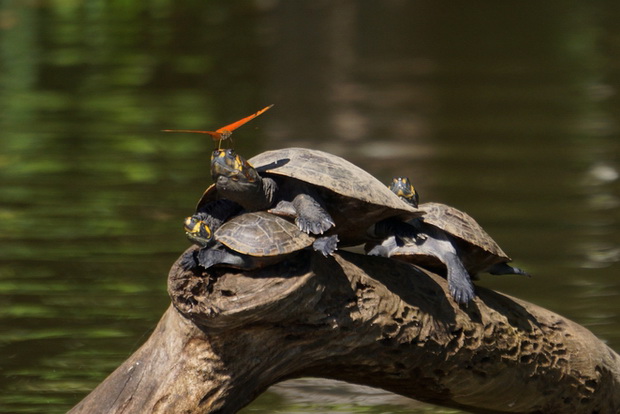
(228, 336)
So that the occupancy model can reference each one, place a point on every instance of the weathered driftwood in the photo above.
(366, 320)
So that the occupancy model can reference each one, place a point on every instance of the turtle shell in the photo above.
(461, 225)
(262, 234)
(475, 248)
(354, 198)
(329, 171)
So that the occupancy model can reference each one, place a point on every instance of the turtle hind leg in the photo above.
(506, 269)
(459, 282)
(326, 245)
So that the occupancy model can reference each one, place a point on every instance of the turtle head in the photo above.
(236, 179)
(198, 231)
(402, 187)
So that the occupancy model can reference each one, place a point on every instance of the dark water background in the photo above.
(507, 110)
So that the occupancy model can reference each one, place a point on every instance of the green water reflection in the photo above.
(510, 113)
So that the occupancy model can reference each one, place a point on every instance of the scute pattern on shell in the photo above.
(331, 172)
(461, 225)
(262, 234)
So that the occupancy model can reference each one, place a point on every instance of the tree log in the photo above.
(229, 335)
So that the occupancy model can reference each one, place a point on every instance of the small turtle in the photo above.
(320, 191)
(445, 240)
(248, 241)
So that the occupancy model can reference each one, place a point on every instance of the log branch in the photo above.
(228, 336)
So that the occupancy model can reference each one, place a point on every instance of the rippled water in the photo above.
(509, 113)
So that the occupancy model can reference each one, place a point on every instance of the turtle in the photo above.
(321, 192)
(445, 240)
(248, 241)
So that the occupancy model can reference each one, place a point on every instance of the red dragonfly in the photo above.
(224, 132)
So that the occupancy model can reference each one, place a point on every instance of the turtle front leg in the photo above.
(220, 255)
(437, 244)
(189, 261)
(326, 245)
(311, 216)
(304, 204)
(459, 282)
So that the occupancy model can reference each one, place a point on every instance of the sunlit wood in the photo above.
(229, 336)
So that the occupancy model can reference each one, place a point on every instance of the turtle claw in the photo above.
(462, 296)
(311, 215)
(459, 282)
(326, 245)
(317, 226)
(461, 290)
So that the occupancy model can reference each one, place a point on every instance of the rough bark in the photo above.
(366, 320)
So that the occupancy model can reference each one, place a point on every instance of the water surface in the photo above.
(507, 112)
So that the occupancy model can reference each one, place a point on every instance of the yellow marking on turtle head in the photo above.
(402, 187)
(196, 227)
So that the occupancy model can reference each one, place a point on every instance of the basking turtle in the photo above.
(445, 240)
(320, 191)
(248, 241)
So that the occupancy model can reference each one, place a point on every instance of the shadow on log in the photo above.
(229, 336)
